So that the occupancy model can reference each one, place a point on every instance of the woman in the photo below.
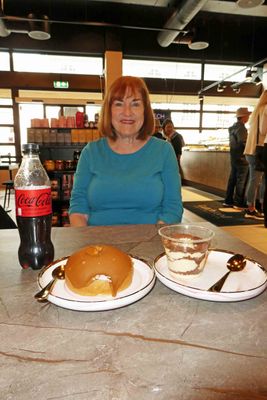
(255, 181)
(256, 136)
(174, 137)
(127, 177)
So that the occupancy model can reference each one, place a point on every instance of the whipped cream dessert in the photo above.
(186, 257)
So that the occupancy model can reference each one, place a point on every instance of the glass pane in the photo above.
(186, 119)
(31, 62)
(215, 137)
(7, 134)
(214, 72)
(4, 61)
(190, 136)
(91, 111)
(7, 149)
(217, 120)
(6, 116)
(224, 107)
(26, 113)
(6, 102)
(71, 111)
(52, 111)
(162, 69)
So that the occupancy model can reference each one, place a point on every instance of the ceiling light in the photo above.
(249, 3)
(39, 28)
(198, 45)
(198, 40)
(220, 87)
(236, 90)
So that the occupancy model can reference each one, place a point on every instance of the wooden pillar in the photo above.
(113, 67)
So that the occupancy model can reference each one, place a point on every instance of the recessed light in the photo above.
(39, 35)
(200, 45)
(249, 3)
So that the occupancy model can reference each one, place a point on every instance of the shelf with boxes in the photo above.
(62, 136)
(61, 185)
(60, 163)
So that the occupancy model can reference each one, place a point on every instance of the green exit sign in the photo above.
(61, 84)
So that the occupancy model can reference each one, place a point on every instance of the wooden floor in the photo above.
(254, 235)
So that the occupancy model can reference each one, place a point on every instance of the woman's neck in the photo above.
(126, 145)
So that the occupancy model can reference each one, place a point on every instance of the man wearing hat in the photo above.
(239, 167)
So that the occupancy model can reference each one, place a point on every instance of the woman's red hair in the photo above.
(117, 90)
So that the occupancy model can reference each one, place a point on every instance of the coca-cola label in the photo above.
(33, 202)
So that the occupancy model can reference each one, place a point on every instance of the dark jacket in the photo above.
(159, 135)
(178, 143)
(237, 140)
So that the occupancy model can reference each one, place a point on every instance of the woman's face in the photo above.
(168, 129)
(127, 114)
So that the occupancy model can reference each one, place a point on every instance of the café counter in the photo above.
(206, 168)
(164, 346)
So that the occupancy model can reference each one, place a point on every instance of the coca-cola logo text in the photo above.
(42, 200)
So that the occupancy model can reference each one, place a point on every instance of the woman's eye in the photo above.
(117, 103)
(136, 103)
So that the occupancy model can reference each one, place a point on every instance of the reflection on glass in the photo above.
(32, 62)
(6, 116)
(7, 134)
(4, 61)
(162, 69)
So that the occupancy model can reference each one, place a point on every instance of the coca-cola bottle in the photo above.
(33, 210)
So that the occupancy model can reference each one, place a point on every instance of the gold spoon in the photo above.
(58, 273)
(235, 263)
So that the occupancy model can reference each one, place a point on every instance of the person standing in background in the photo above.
(236, 186)
(258, 121)
(256, 135)
(158, 130)
(175, 138)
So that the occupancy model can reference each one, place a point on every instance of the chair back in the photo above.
(12, 162)
(8, 159)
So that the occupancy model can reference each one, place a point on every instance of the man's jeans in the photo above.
(235, 191)
(255, 181)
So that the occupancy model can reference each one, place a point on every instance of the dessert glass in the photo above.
(186, 247)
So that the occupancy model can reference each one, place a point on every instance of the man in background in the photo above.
(175, 138)
(236, 186)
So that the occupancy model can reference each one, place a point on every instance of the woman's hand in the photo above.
(78, 220)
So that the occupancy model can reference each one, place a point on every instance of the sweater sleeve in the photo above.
(172, 208)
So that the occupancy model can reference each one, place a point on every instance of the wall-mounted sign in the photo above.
(61, 84)
(162, 114)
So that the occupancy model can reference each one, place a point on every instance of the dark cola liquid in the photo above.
(36, 249)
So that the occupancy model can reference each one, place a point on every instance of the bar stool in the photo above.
(9, 185)
(11, 163)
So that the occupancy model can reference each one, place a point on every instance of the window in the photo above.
(215, 72)
(7, 134)
(6, 116)
(4, 61)
(162, 69)
(32, 62)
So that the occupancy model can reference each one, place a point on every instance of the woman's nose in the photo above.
(127, 109)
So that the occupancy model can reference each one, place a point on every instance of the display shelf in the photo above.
(61, 186)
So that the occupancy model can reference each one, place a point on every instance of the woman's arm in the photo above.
(172, 207)
(78, 220)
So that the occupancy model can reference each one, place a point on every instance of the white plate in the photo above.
(239, 286)
(143, 281)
